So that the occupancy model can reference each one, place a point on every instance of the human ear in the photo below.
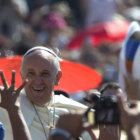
(58, 76)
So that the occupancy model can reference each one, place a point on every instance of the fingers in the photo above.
(13, 79)
(88, 119)
(22, 86)
(5, 84)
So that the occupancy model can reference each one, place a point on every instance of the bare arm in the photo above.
(130, 118)
(132, 87)
(72, 123)
(19, 127)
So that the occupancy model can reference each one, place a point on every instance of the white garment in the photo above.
(48, 114)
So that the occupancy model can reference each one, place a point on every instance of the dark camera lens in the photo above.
(106, 110)
(95, 97)
(108, 101)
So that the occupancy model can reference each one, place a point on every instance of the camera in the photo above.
(105, 111)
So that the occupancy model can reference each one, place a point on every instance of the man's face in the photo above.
(42, 75)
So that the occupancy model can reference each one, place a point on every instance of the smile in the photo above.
(38, 89)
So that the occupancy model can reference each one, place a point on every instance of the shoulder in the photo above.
(62, 101)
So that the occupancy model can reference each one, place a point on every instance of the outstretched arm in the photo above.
(70, 124)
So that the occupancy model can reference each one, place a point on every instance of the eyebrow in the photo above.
(45, 70)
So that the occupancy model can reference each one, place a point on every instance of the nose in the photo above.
(38, 80)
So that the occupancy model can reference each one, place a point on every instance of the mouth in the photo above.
(38, 89)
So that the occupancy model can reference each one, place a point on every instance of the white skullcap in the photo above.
(42, 48)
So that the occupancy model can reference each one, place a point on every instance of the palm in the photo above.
(9, 94)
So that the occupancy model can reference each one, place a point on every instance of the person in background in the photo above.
(129, 114)
(107, 89)
(65, 130)
(110, 88)
(130, 122)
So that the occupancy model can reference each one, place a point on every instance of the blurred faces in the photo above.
(41, 70)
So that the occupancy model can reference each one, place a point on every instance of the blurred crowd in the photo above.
(54, 23)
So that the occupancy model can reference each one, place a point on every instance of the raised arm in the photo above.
(10, 101)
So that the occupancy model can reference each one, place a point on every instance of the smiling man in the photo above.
(42, 70)
(40, 107)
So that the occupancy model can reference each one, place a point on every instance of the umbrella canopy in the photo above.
(76, 77)
(107, 32)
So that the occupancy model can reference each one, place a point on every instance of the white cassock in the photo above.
(39, 119)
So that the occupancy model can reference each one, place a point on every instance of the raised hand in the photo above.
(9, 94)
(130, 118)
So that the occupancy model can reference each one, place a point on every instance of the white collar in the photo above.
(28, 109)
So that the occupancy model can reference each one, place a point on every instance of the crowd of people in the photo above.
(40, 72)
(28, 23)
(41, 31)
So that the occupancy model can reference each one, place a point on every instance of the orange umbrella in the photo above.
(76, 77)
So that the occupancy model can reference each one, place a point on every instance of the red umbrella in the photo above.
(107, 32)
(76, 77)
